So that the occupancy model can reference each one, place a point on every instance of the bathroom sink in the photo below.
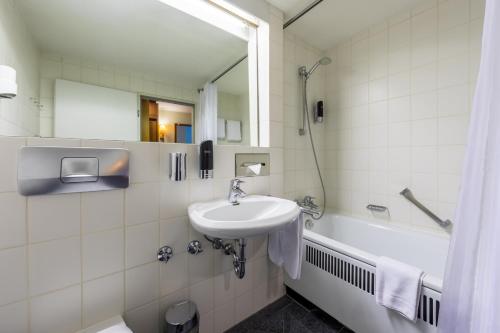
(254, 215)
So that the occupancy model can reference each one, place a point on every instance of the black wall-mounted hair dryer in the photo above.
(318, 112)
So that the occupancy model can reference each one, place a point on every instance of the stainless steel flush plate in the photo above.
(79, 169)
(51, 170)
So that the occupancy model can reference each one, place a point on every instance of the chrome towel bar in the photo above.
(376, 208)
(409, 196)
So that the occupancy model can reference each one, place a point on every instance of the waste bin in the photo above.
(182, 317)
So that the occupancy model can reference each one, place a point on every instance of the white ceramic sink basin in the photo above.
(255, 215)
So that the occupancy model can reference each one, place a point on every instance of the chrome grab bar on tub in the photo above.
(376, 208)
(409, 196)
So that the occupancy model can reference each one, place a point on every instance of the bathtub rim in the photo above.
(429, 281)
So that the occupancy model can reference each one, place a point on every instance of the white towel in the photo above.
(110, 325)
(120, 328)
(233, 130)
(398, 286)
(221, 128)
(285, 247)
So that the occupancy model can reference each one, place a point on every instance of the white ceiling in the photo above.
(145, 36)
(332, 21)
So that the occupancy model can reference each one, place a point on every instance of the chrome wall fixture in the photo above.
(377, 208)
(308, 206)
(305, 75)
(165, 253)
(409, 196)
(239, 258)
(178, 162)
(51, 170)
(194, 247)
(235, 191)
(251, 165)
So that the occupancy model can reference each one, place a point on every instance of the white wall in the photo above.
(301, 177)
(19, 116)
(90, 112)
(67, 261)
(54, 67)
(402, 92)
(412, 62)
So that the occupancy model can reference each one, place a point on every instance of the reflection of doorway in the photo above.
(183, 133)
(149, 120)
(166, 120)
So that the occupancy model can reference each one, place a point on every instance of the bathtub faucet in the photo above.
(308, 206)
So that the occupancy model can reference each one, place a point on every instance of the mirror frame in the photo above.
(256, 32)
(229, 18)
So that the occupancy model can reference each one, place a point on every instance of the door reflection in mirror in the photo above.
(166, 120)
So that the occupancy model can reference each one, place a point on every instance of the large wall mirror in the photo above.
(131, 70)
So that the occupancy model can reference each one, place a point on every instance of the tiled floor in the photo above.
(286, 316)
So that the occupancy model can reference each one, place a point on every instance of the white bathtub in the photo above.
(338, 272)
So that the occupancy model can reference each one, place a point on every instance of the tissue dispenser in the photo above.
(252, 164)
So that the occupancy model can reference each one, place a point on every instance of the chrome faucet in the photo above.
(308, 206)
(235, 191)
(309, 202)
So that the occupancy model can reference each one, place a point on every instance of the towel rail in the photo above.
(409, 196)
(377, 208)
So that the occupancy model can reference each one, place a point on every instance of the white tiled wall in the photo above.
(402, 92)
(19, 116)
(69, 261)
(301, 177)
(53, 66)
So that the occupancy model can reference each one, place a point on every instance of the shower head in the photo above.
(323, 61)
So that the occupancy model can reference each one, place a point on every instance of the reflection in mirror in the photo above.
(166, 121)
(123, 70)
(233, 125)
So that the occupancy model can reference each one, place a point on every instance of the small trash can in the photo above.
(182, 317)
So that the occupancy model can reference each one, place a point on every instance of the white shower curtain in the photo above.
(471, 290)
(206, 118)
